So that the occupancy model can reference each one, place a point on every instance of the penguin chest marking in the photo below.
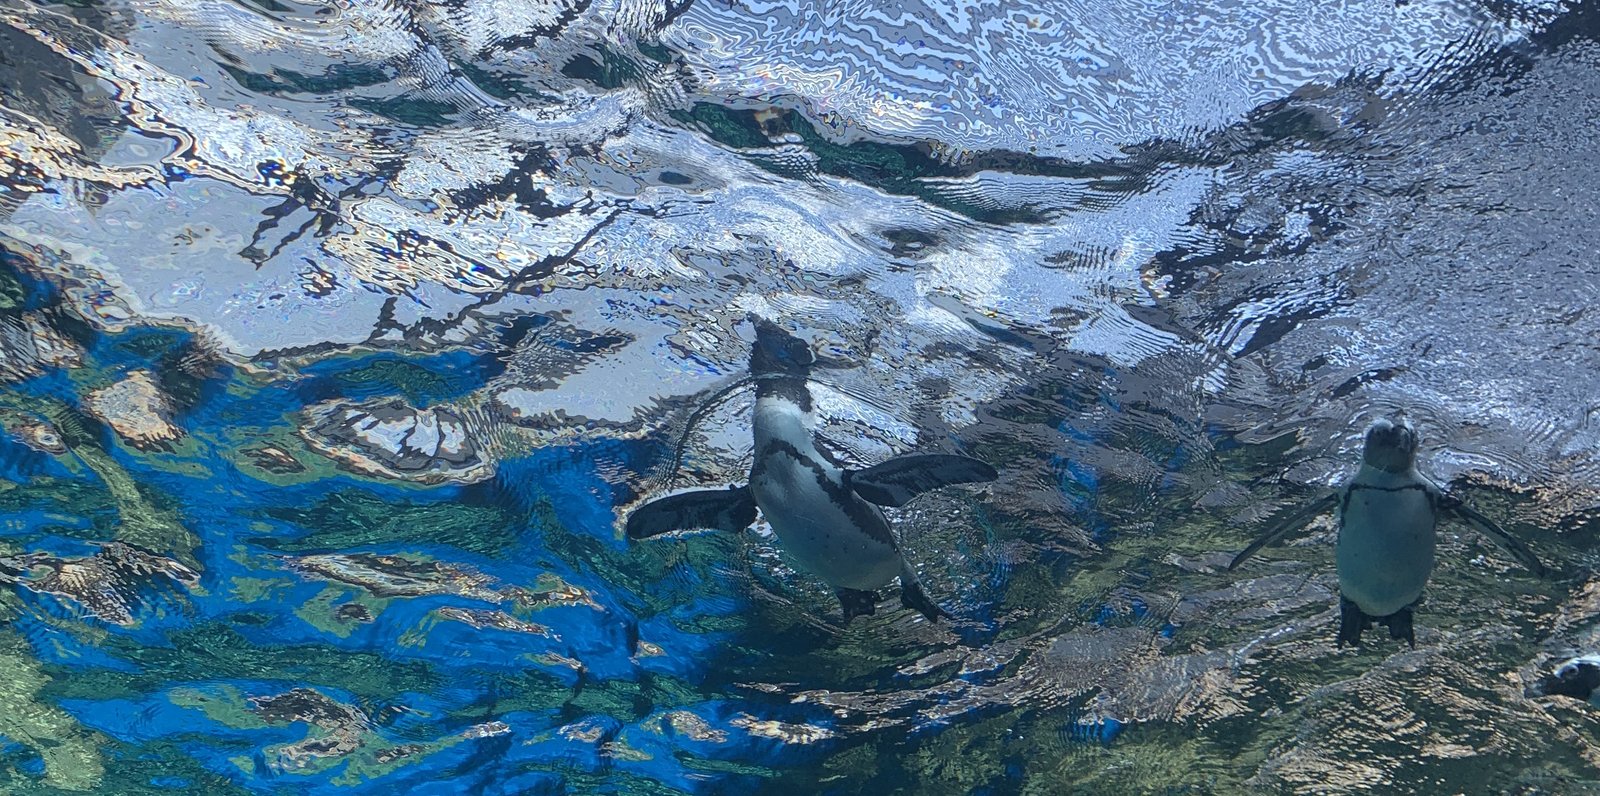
(826, 528)
(1386, 544)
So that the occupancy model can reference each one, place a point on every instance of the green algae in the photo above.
(221, 652)
(143, 523)
(224, 704)
(350, 519)
(321, 611)
(71, 754)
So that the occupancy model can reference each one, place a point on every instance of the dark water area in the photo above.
(339, 340)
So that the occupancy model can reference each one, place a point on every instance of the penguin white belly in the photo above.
(816, 531)
(1385, 550)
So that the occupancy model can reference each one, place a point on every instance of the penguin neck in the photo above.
(1389, 460)
(790, 387)
(783, 412)
(1381, 476)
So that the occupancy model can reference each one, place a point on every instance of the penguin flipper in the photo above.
(856, 602)
(732, 509)
(1491, 529)
(898, 480)
(1293, 522)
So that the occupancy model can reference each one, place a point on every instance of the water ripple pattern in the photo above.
(338, 339)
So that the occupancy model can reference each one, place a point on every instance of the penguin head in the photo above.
(778, 352)
(1577, 678)
(1391, 444)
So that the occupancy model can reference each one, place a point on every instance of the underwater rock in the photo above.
(29, 346)
(488, 729)
(399, 752)
(274, 460)
(137, 410)
(693, 727)
(40, 436)
(588, 731)
(555, 592)
(106, 584)
(1124, 673)
(398, 576)
(1328, 743)
(385, 575)
(394, 440)
(338, 729)
(1201, 686)
(342, 738)
(353, 612)
(498, 620)
(201, 358)
(787, 732)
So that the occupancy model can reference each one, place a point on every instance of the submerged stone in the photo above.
(398, 576)
(137, 410)
(40, 436)
(488, 729)
(107, 584)
(392, 439)
(498, 620)
(29, 346)
(338, 729)
(353, 612)
(274, 460)
(693, 727)
(788, 732)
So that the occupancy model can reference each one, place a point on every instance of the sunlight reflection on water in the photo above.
(379, 317)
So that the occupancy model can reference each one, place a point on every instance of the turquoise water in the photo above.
(338, 340)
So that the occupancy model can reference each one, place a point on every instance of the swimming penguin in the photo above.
(1387, 514)
(1578, 678)
(825, 517)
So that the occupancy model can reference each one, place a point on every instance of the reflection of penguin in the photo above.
(823, 515)
(1578, 678)
(1387, 514)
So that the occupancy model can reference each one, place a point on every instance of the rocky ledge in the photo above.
(110, 585)
(392, 439)
(30, 345)
(137, 410)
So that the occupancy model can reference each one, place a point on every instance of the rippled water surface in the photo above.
(337, 339)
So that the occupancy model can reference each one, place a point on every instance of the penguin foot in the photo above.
(857, 602)
(1399, 624)
(912, 596)
(1351, 622)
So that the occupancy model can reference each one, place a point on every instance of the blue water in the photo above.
(337, 341)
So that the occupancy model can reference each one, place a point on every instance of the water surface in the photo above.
(337, 339)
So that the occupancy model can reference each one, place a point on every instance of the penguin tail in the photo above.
(1351, 622)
